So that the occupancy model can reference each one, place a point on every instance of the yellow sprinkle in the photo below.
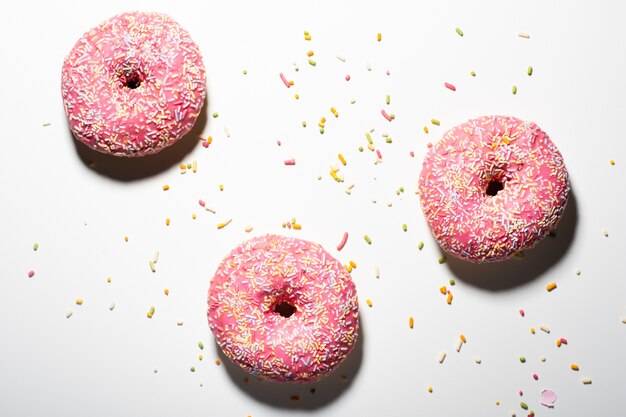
(411, 322)
(348, 268)
(342, 159)
(221, 187)
(379, 37)
(574, 367)
(297, 96)
(430, 389)
(352, 264)
(166, 291)
(167, 221)
(79, 301)
(435, 122)
(425, 129)
(506, 140)
(310, 54)
(200, 357)
(612, 162)
(193, 216)
(334, 112)
(296, 226)
(223, 225)
(369, 302)
(209, 140)
(551, 286)
(194, 166)
(532, 330)
(108, 279)
(125, 238)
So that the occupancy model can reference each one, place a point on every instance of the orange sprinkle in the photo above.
(463, 338)
(443, 290)
(352, 264)
(574, 367)
(379, 37)
(310, 54)
(558, 342)
(166, 291)
(449, 299)
(218, 362)
(167, 221)
(551, 286)
(425, 129)
(297, 226)
(166, 187)
(411, 322)
(125, 238)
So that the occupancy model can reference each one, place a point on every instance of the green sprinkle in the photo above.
(530, 71)
(36, 246)
(435, 122)
(367, 239)
(189, 165)
(303, 123)
(311, 62)
(522, 359)
(393, 116)
(531, 412)
(404, 227)
(360, 149)
(369, 138)
(192, 369)
(201, 345)
(523, 405)
(388, 140)
(514, 89)
(401, 189)
(452, 282)
(245, 72)
(459, 31)
(321, 130)
(387, 99)
(420, 245)
(473, 73)
(215, 115)
(441, 259)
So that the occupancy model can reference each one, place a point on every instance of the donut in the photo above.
(133, 85)
(492, 187)
(283, 309)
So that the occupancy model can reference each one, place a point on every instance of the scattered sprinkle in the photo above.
(31, 274)
(179, 322)
(112, 306)
(341, 58)
(442, 259)
(312, 62)
(35, 246)
(420, 245)
(523, 35)
(612, 162)
(379, 37)
(521, 312)
(79, 301)
(69, 314)
(404, 227)
(224, 224)
(522, 359)
(473, 73)
(477, 360)
(586, 380)
(411, 322)
(450, 86)
(386, 116)
(167, 221)
(284, 80)
(201, 345)
(377, 272)
(367, 239)
(342, 159)
(192, 369)
(535, 377)
(248, 229)
(449, 298)
(530, 71)
(46, 124)
(216, 115)
(551, 286)
(166, 187)
(544, 328)
(441, 357)
(344, 239)
(430, 389)
(369, 302)
(459, 31)
(574, 367)
(307, 36)
(152, 265)
(523, 405)
(150, 312)
(514, 89)
(290, 162)
(218, 362)
(605, 233)
(452, 282)
(435, 122)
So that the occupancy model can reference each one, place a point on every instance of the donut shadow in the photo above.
(297, 396)
(125, 169)
(513, 273)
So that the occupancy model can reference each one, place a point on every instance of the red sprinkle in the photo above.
(385, 115)
(282, 77)
(450, 86)
(521, 393)
(31, 274)
(521, 312)
(380, 156)
(348, 77)
(202, 203)
(535, 377)
(564, 340)
(344, 239)
(205, 144)
(412, 154)
(290, 161)
(278, 142)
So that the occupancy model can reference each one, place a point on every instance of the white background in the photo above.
(101, 362)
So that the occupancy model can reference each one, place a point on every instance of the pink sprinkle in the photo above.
(450, 86)
(201, 203)
(385, 115)
(282, 77)
(205, 144)
(388, 73)
(344, 239)
(288, 225)
(380, 156)
(278, 142)
(535, 377)
(412, 154)
(521, 393)
(521, 312)
(348, 77)
(290, 161)
(31, 274)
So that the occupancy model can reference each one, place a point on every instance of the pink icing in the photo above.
(463, 169)
(133, 85)
(251, 287)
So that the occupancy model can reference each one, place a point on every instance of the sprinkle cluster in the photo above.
(133, 85)
(270, 271)
(493, 186)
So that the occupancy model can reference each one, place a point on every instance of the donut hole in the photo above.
(132, 80)
(285, 309)
(494, 187)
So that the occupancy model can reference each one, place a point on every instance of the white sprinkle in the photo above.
(586, 381)
(442, 357)
(477, 360)
(523, 35)
(248, 229)
(227, 131)
(545, 328)
(377, 272)
(155, 370)
(156, 257)
(624, 320)
(69, 314)
(152, 267)
(295, 66)
(605, 232)
(334, 166)
(112, 306)
(459, 343)
(179, 322)
(542, 359)
(578, 272)
(341, 58)
(212, 210)
(368, 66)
(353, 101)
(45, 124)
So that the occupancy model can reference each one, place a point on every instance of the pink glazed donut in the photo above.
(133, 85)
(492, 187)
(283, 309)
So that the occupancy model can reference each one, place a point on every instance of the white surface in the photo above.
(100, 362)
